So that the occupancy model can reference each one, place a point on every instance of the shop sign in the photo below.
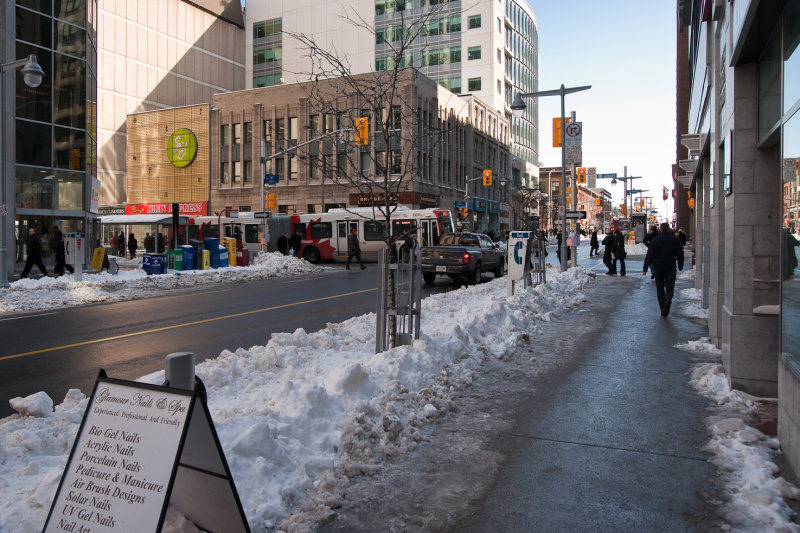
(182, 147)
(184, 208)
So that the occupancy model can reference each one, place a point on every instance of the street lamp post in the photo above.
(32, 74)
(518, 108)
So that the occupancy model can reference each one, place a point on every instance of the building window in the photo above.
(315, 169)
(224, 135)
(267, 28)
(499, 87)
(366, 164)
(267, 130)
(268, 55)
(267, 80)
(499, 56)
(248, 171)
(224, 173)
(474, 84)
(473, 52)
(330, 122)
(474, 21)
(293, 164)
(314, 125)
(237, 133)
(280, 130)
(499, 26)
(237, 171)
(293, 128)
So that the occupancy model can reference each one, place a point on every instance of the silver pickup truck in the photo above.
(464, 256)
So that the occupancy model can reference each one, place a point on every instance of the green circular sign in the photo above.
(182, 147)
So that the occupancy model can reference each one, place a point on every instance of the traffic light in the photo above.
(582, 175)
(597, 201)
(362, 131)
(272, 200)
(487, 178)
(557, 135)
(463, 212)
(623, 209)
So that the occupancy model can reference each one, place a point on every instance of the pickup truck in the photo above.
(462, 255)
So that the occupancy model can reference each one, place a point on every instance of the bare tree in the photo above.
(379, 112)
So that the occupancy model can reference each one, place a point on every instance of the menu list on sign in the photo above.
(119, 472)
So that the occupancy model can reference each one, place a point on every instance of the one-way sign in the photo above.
(576, 214)
(262, 214)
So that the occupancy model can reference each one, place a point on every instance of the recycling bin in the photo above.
(154, 263)
(176, 259)
(188, 256)
(223, 256)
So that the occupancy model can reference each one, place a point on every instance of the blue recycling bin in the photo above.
(223, 257)
(154, 263)
(188, 256)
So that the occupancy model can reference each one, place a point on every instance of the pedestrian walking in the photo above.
(664, 253)
(608, 253)
(407, 246)
(294, 244)
(619, 252)
(353, 249)
(682, 237)
(132, 245)
(121, 244)
(652, 234)
(594, 244)
(57, 244)
(34, 244)
(283, 243)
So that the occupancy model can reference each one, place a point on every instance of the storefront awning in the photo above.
(142, 219)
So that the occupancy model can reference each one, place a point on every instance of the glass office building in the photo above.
(52, 144)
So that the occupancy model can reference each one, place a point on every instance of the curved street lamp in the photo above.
(32, 75)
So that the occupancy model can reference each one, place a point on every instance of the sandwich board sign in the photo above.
(139, 449)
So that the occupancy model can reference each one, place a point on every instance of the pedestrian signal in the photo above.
(487, 178)
(463, 212)
(272, 200)
(597, 201)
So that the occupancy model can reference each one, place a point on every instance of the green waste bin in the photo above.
(176, 259)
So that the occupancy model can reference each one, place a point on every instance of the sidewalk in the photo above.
(595, 428)
(612, 440)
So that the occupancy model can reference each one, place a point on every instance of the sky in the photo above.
(298, 415)
(624, 49)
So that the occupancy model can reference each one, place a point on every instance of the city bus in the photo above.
(324, 235)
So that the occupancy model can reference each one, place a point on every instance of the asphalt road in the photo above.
(61, 349)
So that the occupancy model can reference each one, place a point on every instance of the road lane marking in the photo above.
(176, 326)
(25, 316)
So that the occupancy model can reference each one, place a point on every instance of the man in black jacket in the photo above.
(663, 253)
(34, 254)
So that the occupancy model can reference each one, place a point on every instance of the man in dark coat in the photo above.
(57, 244)
(663, 253)
(34, 245)
(594, 244)
(608, 242)
(652, 234)
(283, 243)
(294, 244)
(353, 249)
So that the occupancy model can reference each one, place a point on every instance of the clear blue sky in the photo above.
(624, 49)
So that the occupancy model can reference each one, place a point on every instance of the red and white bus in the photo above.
(324, 235)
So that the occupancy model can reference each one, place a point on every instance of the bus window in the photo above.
(398, 226)
(342, 230)
(299, 227)
(251, 232)
(426, 228)
(321, 230)
(374, 230)
(435, 233)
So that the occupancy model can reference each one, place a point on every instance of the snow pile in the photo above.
(687, 274)
(301, 416)
(692, 305)
(757, 498)
(47, 293)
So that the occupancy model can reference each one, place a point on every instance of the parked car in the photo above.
(464, 256)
